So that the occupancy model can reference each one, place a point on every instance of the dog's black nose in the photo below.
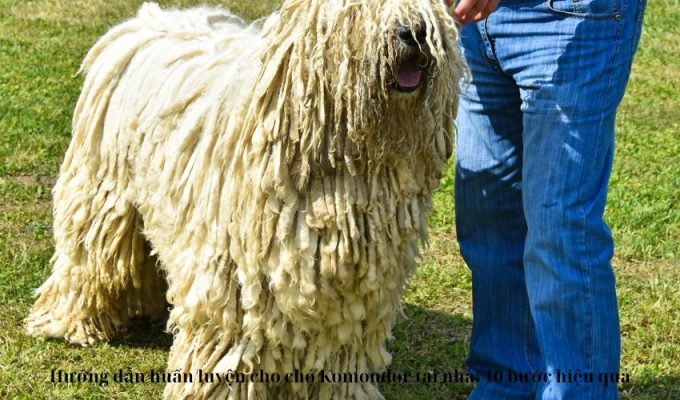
(406, 32)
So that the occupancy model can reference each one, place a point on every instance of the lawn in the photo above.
(41, 45)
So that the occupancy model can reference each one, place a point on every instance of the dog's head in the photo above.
(383, 74)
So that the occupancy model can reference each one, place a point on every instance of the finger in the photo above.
(491, 7)
(474, 12)
(484, 14)
(477, 13)
(463, 8)
(459, 22)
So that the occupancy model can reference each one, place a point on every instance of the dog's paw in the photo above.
(81, 332)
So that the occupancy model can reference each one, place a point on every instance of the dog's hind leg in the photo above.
(102, 270)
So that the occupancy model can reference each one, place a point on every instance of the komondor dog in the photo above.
(270, 183)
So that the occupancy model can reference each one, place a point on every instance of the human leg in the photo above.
(571, 65)
(490, 222)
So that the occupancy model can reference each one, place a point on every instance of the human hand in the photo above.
(472, 10)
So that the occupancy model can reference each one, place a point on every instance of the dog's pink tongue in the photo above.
(409, 76)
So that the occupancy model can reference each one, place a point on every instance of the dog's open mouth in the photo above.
(409, 74)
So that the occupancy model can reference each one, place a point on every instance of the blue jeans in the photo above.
(534, 152)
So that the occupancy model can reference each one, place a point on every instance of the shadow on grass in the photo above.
(428, 346)
(144, 333)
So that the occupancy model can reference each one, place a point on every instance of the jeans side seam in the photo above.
(588, 261)
(527, 340)
(637, 33)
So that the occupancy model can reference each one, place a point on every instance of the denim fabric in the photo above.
(534, 153)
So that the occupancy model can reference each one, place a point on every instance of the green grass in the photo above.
(41, 45)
